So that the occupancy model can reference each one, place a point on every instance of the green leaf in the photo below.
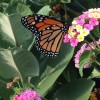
(45, 10)
(65, 1)
(51, 68)
(5, 93)
(95, 73)
(13, 33)
(76, 90)
(85, 57)
(3, 4)
(70, 73)
(17, 62)
(22, 35)
(96, 31)
(41, 2)
(6, 32)
(18, 8)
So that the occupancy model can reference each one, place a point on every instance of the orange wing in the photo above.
(49, 33)
(50, 39)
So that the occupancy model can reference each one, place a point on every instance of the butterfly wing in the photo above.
(31, 21)
(49, 33)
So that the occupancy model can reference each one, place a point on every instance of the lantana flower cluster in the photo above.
(83, 48)
(27, 95)
(82, 26)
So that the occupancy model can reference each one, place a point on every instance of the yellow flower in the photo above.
(91, 15)
(79, 28)
(84, 32)
(74, 22)
(94, 15)
(97, 15)
(92, 10)
(80, 38)
(72, 31)
(72, 34)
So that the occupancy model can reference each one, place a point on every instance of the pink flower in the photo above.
(78, 54)
(74, 42)
(16, 97)
(76, 65)
(84, 15)
(88, 26)
(93, 21)
(88, 48)
(66, 39)
(91, 46)
(80, 22)
(98, 42)
(28, 95)
(84, 47)
(76, 61)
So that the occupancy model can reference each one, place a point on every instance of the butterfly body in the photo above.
(49, 33)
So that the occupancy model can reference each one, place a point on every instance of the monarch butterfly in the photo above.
(49, 32)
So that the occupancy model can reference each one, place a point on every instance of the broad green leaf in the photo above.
(6, 32)
(85, 57)
(22, 35)
(13, 33)
(51, 68)
(70, 73)
(76, 90)
(18, 8)
(45, 10)
(17, 62)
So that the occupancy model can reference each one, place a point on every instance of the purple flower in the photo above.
(16, 97)
(93, 21)
(84, 15)
(80, 22)
(83, 48)
(78, 54)
(73, 42)
(27, 95)
(88, 26)
(66, 39)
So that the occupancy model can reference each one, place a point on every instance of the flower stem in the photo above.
(86, 41)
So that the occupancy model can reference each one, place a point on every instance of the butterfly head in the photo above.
(66, 26)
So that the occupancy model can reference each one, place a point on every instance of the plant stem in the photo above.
(80, 5)
(91, 36)
(97, 62)
(90, 45)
